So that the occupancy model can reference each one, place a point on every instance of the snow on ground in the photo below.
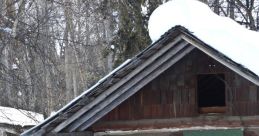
(162, 130)
(222, 33)
(14, 116)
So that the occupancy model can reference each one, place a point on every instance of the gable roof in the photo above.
(130, 77)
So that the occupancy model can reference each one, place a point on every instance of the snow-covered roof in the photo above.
(221, 33)
(19, 117)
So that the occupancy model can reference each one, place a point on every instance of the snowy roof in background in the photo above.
(221, 33)
(19, 117)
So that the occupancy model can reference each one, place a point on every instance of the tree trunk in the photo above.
(216, 6)
(231, 6)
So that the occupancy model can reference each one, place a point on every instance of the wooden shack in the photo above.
(178, 86)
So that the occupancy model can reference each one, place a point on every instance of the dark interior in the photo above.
(211, 90)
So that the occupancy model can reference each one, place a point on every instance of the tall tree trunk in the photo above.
(216, 6)
(231, 6)
(70, 60)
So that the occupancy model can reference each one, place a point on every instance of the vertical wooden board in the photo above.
(186, 95)
(185, 109)
(230, 106)
(253, 93)
(169, 96)
(237, 81)
(179, 109)
(176, 96)
(234, 109)
(241, 94)
(245, 94)
(192, 96)
(182, 108)
(156, 97)
(181, 80)
(146, 112)
(193, 110)
(234, 94)
(133, 112)
(136, 98)
(137, 111)
(167, 111)
(173, 109)
(156, 111)
(181, 95)
(124, 111)
(147, 97)
(239, 107)
(164, 92)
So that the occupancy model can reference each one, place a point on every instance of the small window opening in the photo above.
(211, 93)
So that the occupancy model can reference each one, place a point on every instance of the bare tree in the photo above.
(242, 11)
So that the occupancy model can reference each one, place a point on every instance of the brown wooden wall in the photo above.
(173, 93)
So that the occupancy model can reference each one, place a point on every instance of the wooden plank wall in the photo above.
(173, 94)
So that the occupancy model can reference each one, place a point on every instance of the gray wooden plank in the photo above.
(85, 133)
(64, 124)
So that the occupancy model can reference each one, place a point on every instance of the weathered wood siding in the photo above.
(173, 93)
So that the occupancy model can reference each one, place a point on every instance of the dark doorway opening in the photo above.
(211, 93)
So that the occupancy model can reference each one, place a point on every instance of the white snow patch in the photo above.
(20, 117)
(19, 93)
(143, 10)
(52, 113)
(222, 33)
(115, 13)
(112, 47)
(6, 29)
(58, 48)
(119, 132)
(14, 66)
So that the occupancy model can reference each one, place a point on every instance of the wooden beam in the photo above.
(221, 60)
(181, 122)
(85, 133)
(99, 98)
(134, 80)
(133, 89)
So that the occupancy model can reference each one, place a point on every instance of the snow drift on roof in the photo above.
(19, 117)
(221, 33)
